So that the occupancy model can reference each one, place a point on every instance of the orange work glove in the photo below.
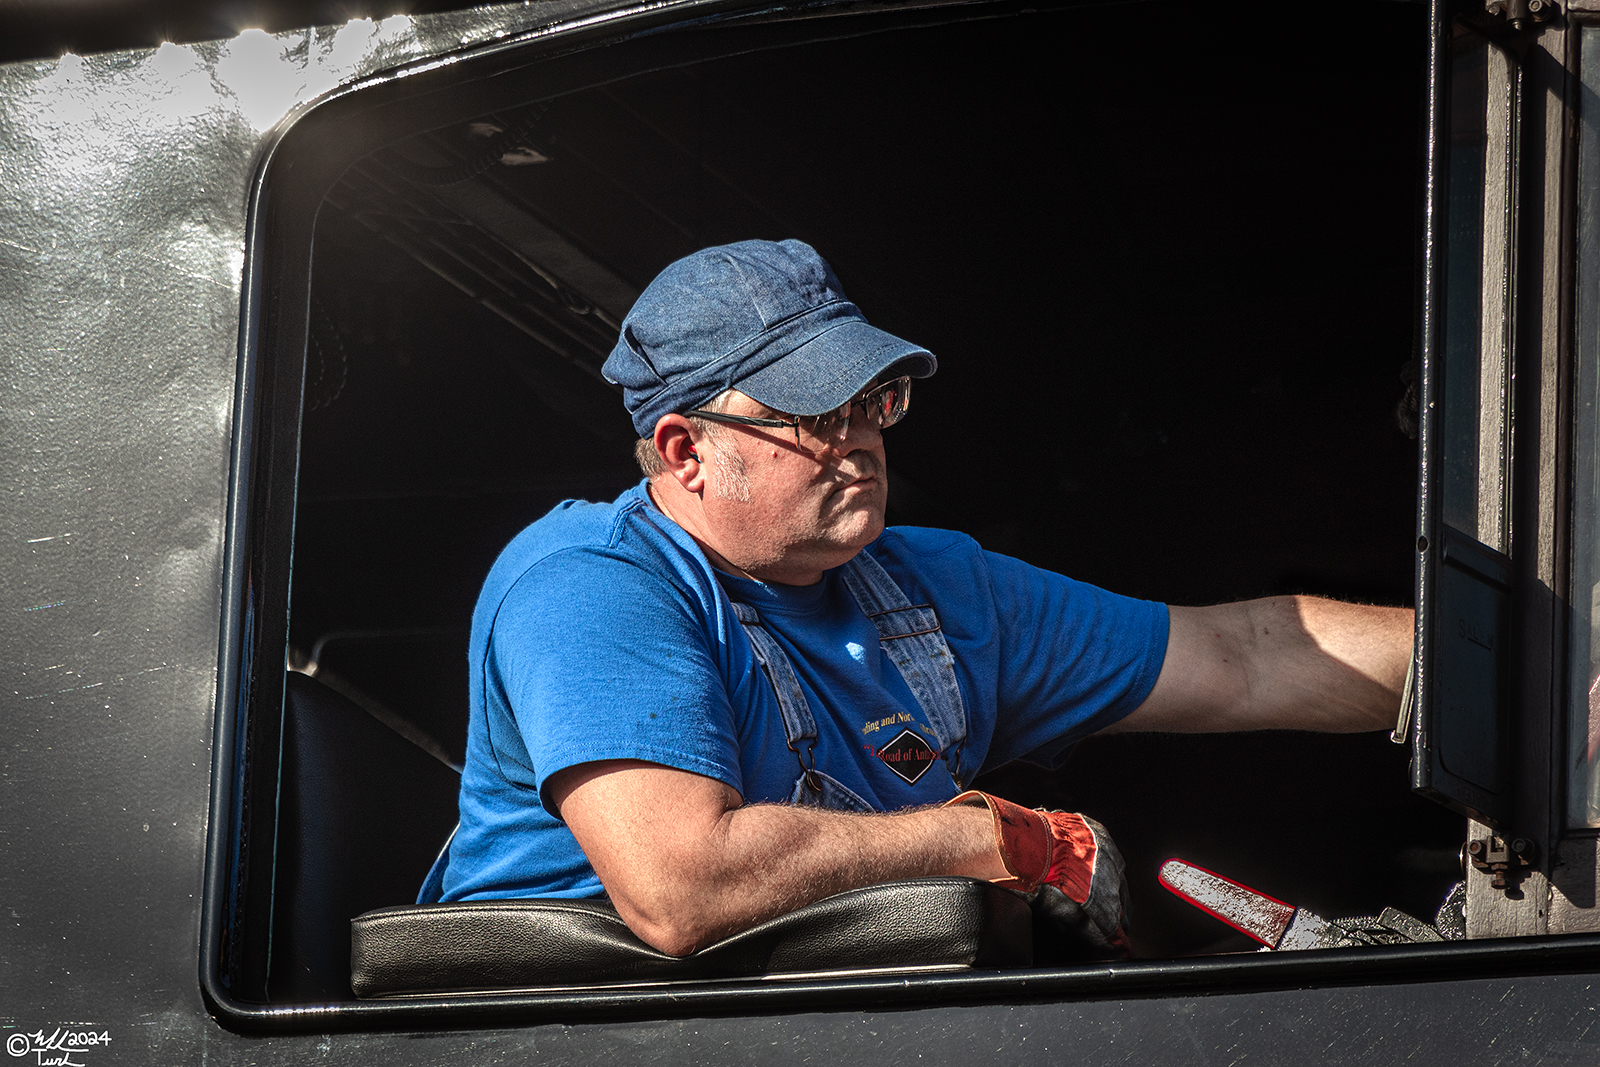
(1069, 865)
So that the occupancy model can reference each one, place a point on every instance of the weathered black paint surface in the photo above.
(1547, 1021)
(121, 257)
(122, 215)
(44, 29)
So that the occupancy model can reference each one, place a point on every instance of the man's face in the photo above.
(803, 512)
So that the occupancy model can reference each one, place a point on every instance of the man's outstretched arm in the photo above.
(685, 863)
(1291, 663)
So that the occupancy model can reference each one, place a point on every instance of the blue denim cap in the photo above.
(766, 317)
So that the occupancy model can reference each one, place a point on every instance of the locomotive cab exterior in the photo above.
(304, 325)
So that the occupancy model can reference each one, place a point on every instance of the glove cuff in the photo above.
(1022, 836)
(1073, 854)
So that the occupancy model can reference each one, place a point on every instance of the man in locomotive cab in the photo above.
(733, 691)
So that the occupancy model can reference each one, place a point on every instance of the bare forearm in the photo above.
(685, 862)
(1291, 662)
(1349, 668)
(769, 859)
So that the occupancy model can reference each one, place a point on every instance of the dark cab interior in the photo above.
(1168, 263)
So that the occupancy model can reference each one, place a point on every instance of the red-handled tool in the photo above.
(1270, 921)
(1281, 926)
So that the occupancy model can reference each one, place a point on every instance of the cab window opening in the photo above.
(1226, 428)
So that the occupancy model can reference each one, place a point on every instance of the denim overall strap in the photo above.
(799, 727)
(910, 636)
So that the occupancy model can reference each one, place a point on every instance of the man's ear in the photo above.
(677, 443)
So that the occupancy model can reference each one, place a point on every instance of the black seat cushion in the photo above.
(520, 944)
(362, 813)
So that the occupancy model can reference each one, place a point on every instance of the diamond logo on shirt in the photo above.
(908, 755)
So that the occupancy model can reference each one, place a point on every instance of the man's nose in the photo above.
(861, 432)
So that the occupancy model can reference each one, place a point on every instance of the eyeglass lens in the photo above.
(883, 406)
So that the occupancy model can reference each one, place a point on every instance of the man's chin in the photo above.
(867, 531)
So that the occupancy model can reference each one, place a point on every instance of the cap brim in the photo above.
(832, 367)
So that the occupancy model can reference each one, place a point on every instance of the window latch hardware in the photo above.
(1521, 12)
(1504, 862)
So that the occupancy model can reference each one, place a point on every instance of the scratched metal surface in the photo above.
(122, 185)
(1543, 1022)
(122, 220)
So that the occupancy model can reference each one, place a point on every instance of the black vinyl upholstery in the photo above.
(361, 814)
(520, 944)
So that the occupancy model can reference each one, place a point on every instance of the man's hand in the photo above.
(685, 863)
(1067, 857)
(1292, 663)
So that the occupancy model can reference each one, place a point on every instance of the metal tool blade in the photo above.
(1306, 930)
(1266, 919)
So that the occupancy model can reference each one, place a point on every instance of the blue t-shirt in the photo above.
(603, 632)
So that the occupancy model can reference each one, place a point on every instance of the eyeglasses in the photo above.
(882, 405)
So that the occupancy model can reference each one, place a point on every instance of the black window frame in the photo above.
(283, 205)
